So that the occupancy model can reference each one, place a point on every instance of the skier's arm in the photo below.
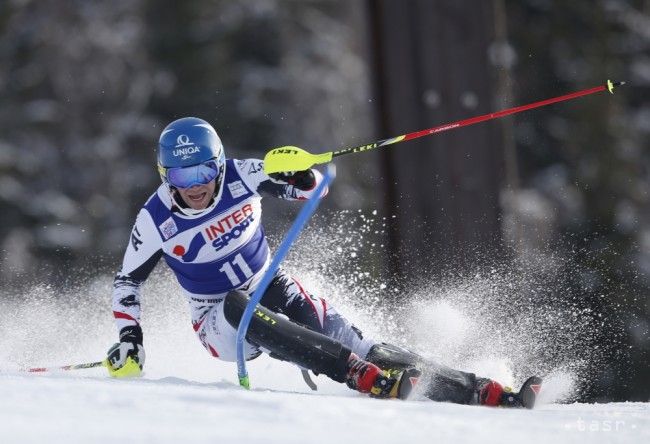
(141, 256)
(126, 358)
(299, 185)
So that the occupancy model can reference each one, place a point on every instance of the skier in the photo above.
(205, 220)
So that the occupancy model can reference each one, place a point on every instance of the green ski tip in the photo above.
(245, 382)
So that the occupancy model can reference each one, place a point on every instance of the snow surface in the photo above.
(68, 407)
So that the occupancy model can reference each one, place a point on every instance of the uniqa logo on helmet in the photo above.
(185, 148)
(186, 152)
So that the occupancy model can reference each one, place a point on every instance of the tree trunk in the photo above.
(432, 67)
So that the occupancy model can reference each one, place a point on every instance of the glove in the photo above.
(126, 358)
(303, 180)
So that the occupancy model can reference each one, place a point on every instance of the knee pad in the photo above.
(287, 340)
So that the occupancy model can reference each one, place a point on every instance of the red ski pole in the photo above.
(495, 115)
(291, 158)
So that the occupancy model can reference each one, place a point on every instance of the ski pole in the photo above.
(304, 215)
(291, 158)
(65, 367)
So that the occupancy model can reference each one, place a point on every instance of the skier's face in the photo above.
(198, 197)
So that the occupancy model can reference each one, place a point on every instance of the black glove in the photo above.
(303, 180)
(126, 358)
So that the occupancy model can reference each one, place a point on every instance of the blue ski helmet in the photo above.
(186, 142)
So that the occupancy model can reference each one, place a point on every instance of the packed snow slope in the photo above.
(69, 408)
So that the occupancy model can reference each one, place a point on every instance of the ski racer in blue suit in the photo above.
(205, 221)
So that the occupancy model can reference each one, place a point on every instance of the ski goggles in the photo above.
(186, 177)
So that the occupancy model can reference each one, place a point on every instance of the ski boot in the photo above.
(491, 393)
(366, 377)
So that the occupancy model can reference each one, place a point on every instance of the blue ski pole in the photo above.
(304, 215)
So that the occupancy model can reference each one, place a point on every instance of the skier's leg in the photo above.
(438, 382)
(287, 296)
(287, 340)
(292, 341)
(215, 333)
